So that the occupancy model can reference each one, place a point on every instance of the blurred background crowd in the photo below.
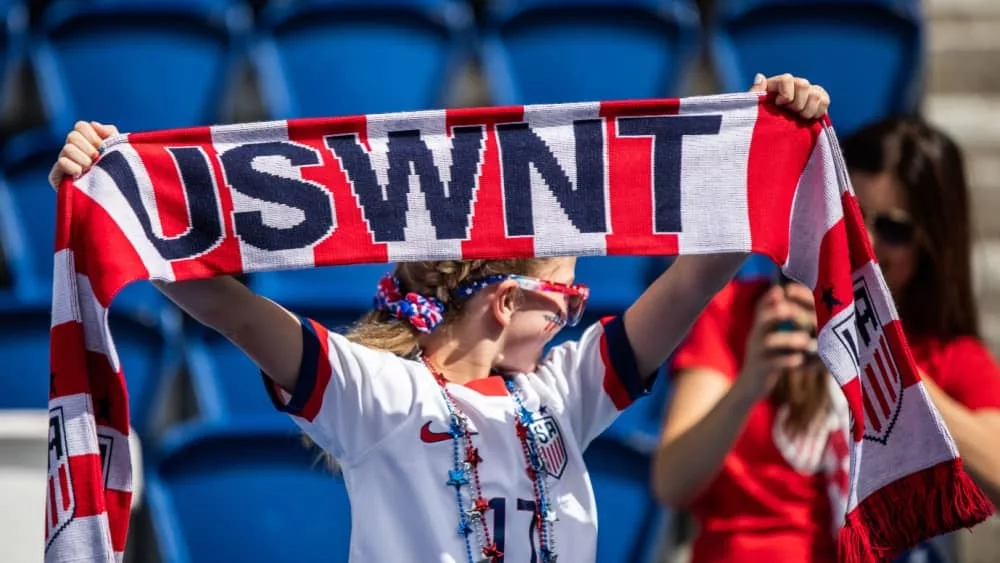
(223, 477)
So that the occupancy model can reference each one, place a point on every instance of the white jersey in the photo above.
(385, 420)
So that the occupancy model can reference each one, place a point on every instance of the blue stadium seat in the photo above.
(320, 58)
(553, 51)
(630, 523)
(14, 248)
(877, 43)
(29, 209)
(154, 64)
(318, 291)
(245, 492)
(145, 352)
(225, 382)
(13, 26)
(24, 347)
(614, 281)
(757, 267)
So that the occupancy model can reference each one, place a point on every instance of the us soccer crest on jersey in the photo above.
(550, 445)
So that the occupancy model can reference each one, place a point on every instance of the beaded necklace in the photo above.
(465, 473)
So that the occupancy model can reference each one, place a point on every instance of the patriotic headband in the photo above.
(424, 313)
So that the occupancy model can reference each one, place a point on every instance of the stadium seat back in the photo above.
(878, 43)
(148, 65)
(251, 492)
(326, 58)
(575, 51)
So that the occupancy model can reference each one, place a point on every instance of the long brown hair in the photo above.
(806, 392)
(939, 301)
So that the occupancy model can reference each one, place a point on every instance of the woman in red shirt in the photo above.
(745, 434)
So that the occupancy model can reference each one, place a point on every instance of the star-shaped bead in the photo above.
(548, 556)
(550, 516)
(491, 552)
(472, 457)
(457, 478)
(464, 527)
(525, 415)
(481, 506)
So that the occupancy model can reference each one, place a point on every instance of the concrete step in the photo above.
(935, 9)
(985, 207)
(964, 70)
(964, 33)
(986, 267)
(963, 47)
(971, 118)
(986, 278)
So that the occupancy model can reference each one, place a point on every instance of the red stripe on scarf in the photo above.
(489, 224)
(773, 172)
(351, 241)
(629, 163)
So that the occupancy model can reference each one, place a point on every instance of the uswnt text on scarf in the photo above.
(450, 204)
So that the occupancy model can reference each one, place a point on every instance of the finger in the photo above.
(78, 156)
(103, 130)
(795, 341)
(770, 297)
(76, 139)
(812, 109)
(800, 296)
(775, 313)
(89, 133)
(784, 86)
(68, 167)
(824, 99)
(766, 314)
(800, 95)
(787, 361)
(759, 83)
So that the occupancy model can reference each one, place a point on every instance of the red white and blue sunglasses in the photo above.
(576, 294)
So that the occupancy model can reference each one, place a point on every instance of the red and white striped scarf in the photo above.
(713, 174)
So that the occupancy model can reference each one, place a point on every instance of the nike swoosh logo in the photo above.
(431, 437)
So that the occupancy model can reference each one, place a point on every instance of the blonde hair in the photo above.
(380, 331)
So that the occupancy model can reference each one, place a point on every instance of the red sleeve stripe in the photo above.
(314, 374)
(622, 381)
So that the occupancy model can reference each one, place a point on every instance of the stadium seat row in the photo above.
(159, 64)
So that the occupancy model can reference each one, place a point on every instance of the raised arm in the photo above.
(661, 317)
(266, 332)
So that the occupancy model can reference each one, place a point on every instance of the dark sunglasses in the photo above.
(893, 229)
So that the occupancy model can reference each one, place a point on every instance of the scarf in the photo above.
(716, 174)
